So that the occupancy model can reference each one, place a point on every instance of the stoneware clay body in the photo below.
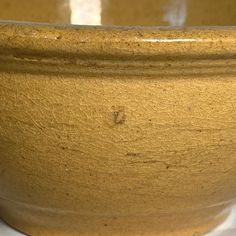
(118, 129)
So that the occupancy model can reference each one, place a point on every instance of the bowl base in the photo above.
(38, 231)
(40, 222)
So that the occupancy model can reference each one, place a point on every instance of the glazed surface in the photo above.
(117, 131)
(116, 148)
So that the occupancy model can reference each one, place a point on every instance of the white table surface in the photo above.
(228, 228)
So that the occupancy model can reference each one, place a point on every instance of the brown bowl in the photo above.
(121, 131)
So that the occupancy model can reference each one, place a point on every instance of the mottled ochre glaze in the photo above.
(115, 130)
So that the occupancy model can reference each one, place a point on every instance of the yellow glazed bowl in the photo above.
(119, 131)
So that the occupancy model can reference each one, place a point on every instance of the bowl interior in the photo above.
(122, 12)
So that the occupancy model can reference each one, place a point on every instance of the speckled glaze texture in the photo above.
(117, 131)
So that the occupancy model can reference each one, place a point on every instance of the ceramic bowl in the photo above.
(117, 130)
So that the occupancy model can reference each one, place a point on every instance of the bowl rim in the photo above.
(122, 50)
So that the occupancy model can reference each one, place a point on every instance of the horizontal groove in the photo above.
(47, 210)
(42, 48)
(121, 68)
